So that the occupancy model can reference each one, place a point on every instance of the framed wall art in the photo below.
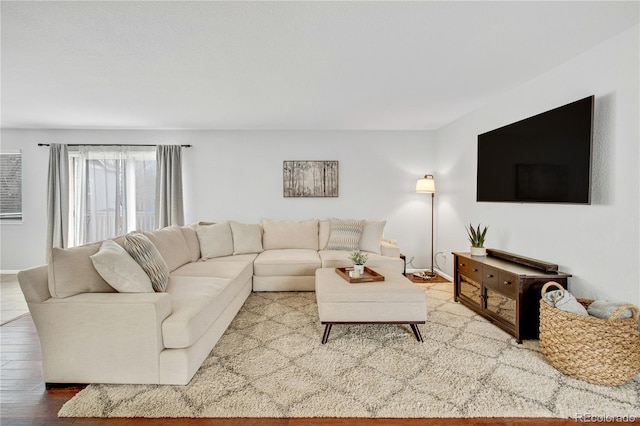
(310, 179)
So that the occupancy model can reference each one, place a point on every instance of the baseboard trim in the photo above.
(9, 271)
(443, 275)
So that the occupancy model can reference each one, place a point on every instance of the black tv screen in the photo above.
(542, 159)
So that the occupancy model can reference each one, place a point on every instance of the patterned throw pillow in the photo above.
(345, 234)
(140, 247)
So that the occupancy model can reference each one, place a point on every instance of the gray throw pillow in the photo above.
(345, 234)
(142, 250)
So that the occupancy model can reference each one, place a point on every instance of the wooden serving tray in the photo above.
(369, 275)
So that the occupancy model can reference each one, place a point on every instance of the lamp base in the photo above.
(425, 275)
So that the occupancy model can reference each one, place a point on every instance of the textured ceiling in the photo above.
(282, 65)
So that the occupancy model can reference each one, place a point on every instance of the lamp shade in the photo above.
(426, 185)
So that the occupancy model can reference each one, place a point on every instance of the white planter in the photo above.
(478, 251)
(359, 268)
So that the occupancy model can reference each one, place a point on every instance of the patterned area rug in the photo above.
(270, 363)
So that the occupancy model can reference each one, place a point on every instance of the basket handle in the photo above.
(551, 284)
(621, 309)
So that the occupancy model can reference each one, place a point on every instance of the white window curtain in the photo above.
(169, 204)
(113, 191)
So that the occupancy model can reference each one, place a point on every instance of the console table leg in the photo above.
(327, 330)
(416, 331)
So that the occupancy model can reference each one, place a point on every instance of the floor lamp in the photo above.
(427, 185)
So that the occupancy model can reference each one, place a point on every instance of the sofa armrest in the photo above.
(389, 249)
(101, 337)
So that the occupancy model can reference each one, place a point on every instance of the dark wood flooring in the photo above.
(25, 401)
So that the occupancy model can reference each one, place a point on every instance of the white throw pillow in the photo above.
(119, 269)
(247, 238)
(371, 239)
(215, 240)
(345, 234)
(142, 250)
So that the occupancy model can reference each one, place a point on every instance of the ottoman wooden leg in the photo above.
(327, 330)
(416, 331)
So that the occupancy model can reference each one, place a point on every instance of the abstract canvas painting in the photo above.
(310, 178)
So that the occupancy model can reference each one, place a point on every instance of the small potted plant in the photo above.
(359, 259)
(476, 238)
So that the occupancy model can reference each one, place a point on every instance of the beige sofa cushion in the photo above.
(290, 235)
(119, 269)
(247, 238)
(287, 262)
(191, 237)
(196, 303)
(371, 238)
(216, 268)
(324, 230)
(345, 234)
(142, 250)
(172, 246)
(215, 240)
(71, 272)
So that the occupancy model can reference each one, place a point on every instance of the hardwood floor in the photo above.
(25, 401)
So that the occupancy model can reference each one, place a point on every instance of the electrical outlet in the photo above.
(443, 253)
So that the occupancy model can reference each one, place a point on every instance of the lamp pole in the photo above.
(427, 185)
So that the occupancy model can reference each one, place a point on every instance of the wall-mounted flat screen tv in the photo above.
(542, 159)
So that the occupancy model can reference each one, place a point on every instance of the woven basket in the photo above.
(601, 351)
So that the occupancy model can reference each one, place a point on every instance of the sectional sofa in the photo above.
(101, 320)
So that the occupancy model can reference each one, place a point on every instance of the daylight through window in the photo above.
(112, 192)
(11, 186)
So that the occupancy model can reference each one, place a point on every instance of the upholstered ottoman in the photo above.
(396, 300)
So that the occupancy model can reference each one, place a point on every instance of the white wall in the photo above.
(597, 243)
(238, 175)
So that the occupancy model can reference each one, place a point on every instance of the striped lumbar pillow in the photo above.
(345, 234)
(142, 250)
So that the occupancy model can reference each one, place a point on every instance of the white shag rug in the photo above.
(270, 363)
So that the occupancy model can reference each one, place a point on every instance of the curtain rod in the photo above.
(107, 144)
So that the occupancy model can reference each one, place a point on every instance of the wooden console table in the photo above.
(505, 289)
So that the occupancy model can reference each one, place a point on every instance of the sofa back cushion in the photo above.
(71, 272)
(324, 230)
(215, 240)
(172, 246)
(191, 237)
(247, 238)
(371, 239)
(290, 235)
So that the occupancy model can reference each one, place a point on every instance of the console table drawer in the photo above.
(490, 275)
(506, 283)
(471, 269)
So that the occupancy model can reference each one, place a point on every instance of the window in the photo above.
(11, 187)
(112, 191)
